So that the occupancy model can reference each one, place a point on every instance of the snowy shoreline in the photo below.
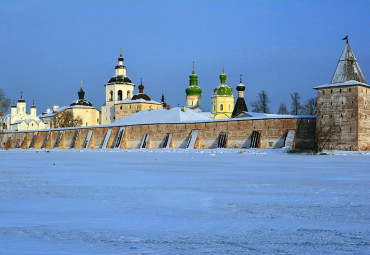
(285, 151)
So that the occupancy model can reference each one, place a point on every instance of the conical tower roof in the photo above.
(348, 68)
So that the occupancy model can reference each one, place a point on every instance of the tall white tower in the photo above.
(118, 88)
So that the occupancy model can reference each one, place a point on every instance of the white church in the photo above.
(19, 119)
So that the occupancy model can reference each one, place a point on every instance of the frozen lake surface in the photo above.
(183, 202)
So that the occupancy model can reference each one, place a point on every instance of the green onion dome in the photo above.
(193, 89)
(223, 89)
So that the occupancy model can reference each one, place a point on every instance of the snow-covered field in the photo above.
(183, 202)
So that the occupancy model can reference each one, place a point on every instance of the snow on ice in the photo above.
(183, 202)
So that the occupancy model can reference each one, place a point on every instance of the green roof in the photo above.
(193, 89)
(223, 89)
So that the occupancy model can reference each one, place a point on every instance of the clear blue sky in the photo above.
(47, 47)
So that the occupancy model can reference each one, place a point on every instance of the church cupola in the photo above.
(162, 101)
(21, 105)
(33, 111)
(240, 105)
(13, 109)
(193, 92)
(141, 94)
(81, 99)
(81, 93)
(120, 69)
(120, 73)
(222, 99)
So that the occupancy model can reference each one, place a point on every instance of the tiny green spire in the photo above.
(193, 89)
(223, 77)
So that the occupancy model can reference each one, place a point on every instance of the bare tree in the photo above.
(282, 109)
(4, 102)
(262, 103)
(310, 106)
(66, 119)
(296, 106)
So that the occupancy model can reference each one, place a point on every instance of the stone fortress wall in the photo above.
(238, 133)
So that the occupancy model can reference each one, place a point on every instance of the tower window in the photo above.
(111, 95)
(119, 94)
(221, 107)
(229, 107)
(128, 94)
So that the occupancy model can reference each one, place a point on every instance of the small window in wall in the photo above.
(331, 91)
(119, 94)
(120, 107)
(128, 94)
(111, 95)
(323, 92)
(221, 107)
(349, 90)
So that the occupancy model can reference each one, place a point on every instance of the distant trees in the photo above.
(282, 109)
(4, 101)
(66, 119)
(296, 106)
(309, 108)
(262, 103)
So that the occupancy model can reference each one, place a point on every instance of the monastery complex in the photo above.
(127, 120)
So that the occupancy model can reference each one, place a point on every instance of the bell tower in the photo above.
(118, 88)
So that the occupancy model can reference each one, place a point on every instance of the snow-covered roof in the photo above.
(174, 115)
(258, 115)
(342, 84)
(130, 101)
(60, 109)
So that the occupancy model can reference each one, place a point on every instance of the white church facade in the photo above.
(19, 119)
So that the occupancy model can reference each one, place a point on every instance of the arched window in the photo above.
(111, 95)
(119, 95)
(128, 94)
(221, 107)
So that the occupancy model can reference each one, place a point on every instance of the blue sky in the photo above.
(47, 47)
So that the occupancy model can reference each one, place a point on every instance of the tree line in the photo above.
(262, 104)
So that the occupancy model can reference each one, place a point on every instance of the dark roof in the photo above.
(119, 79)
(240, 107)
(81, 102)
(141, 96)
